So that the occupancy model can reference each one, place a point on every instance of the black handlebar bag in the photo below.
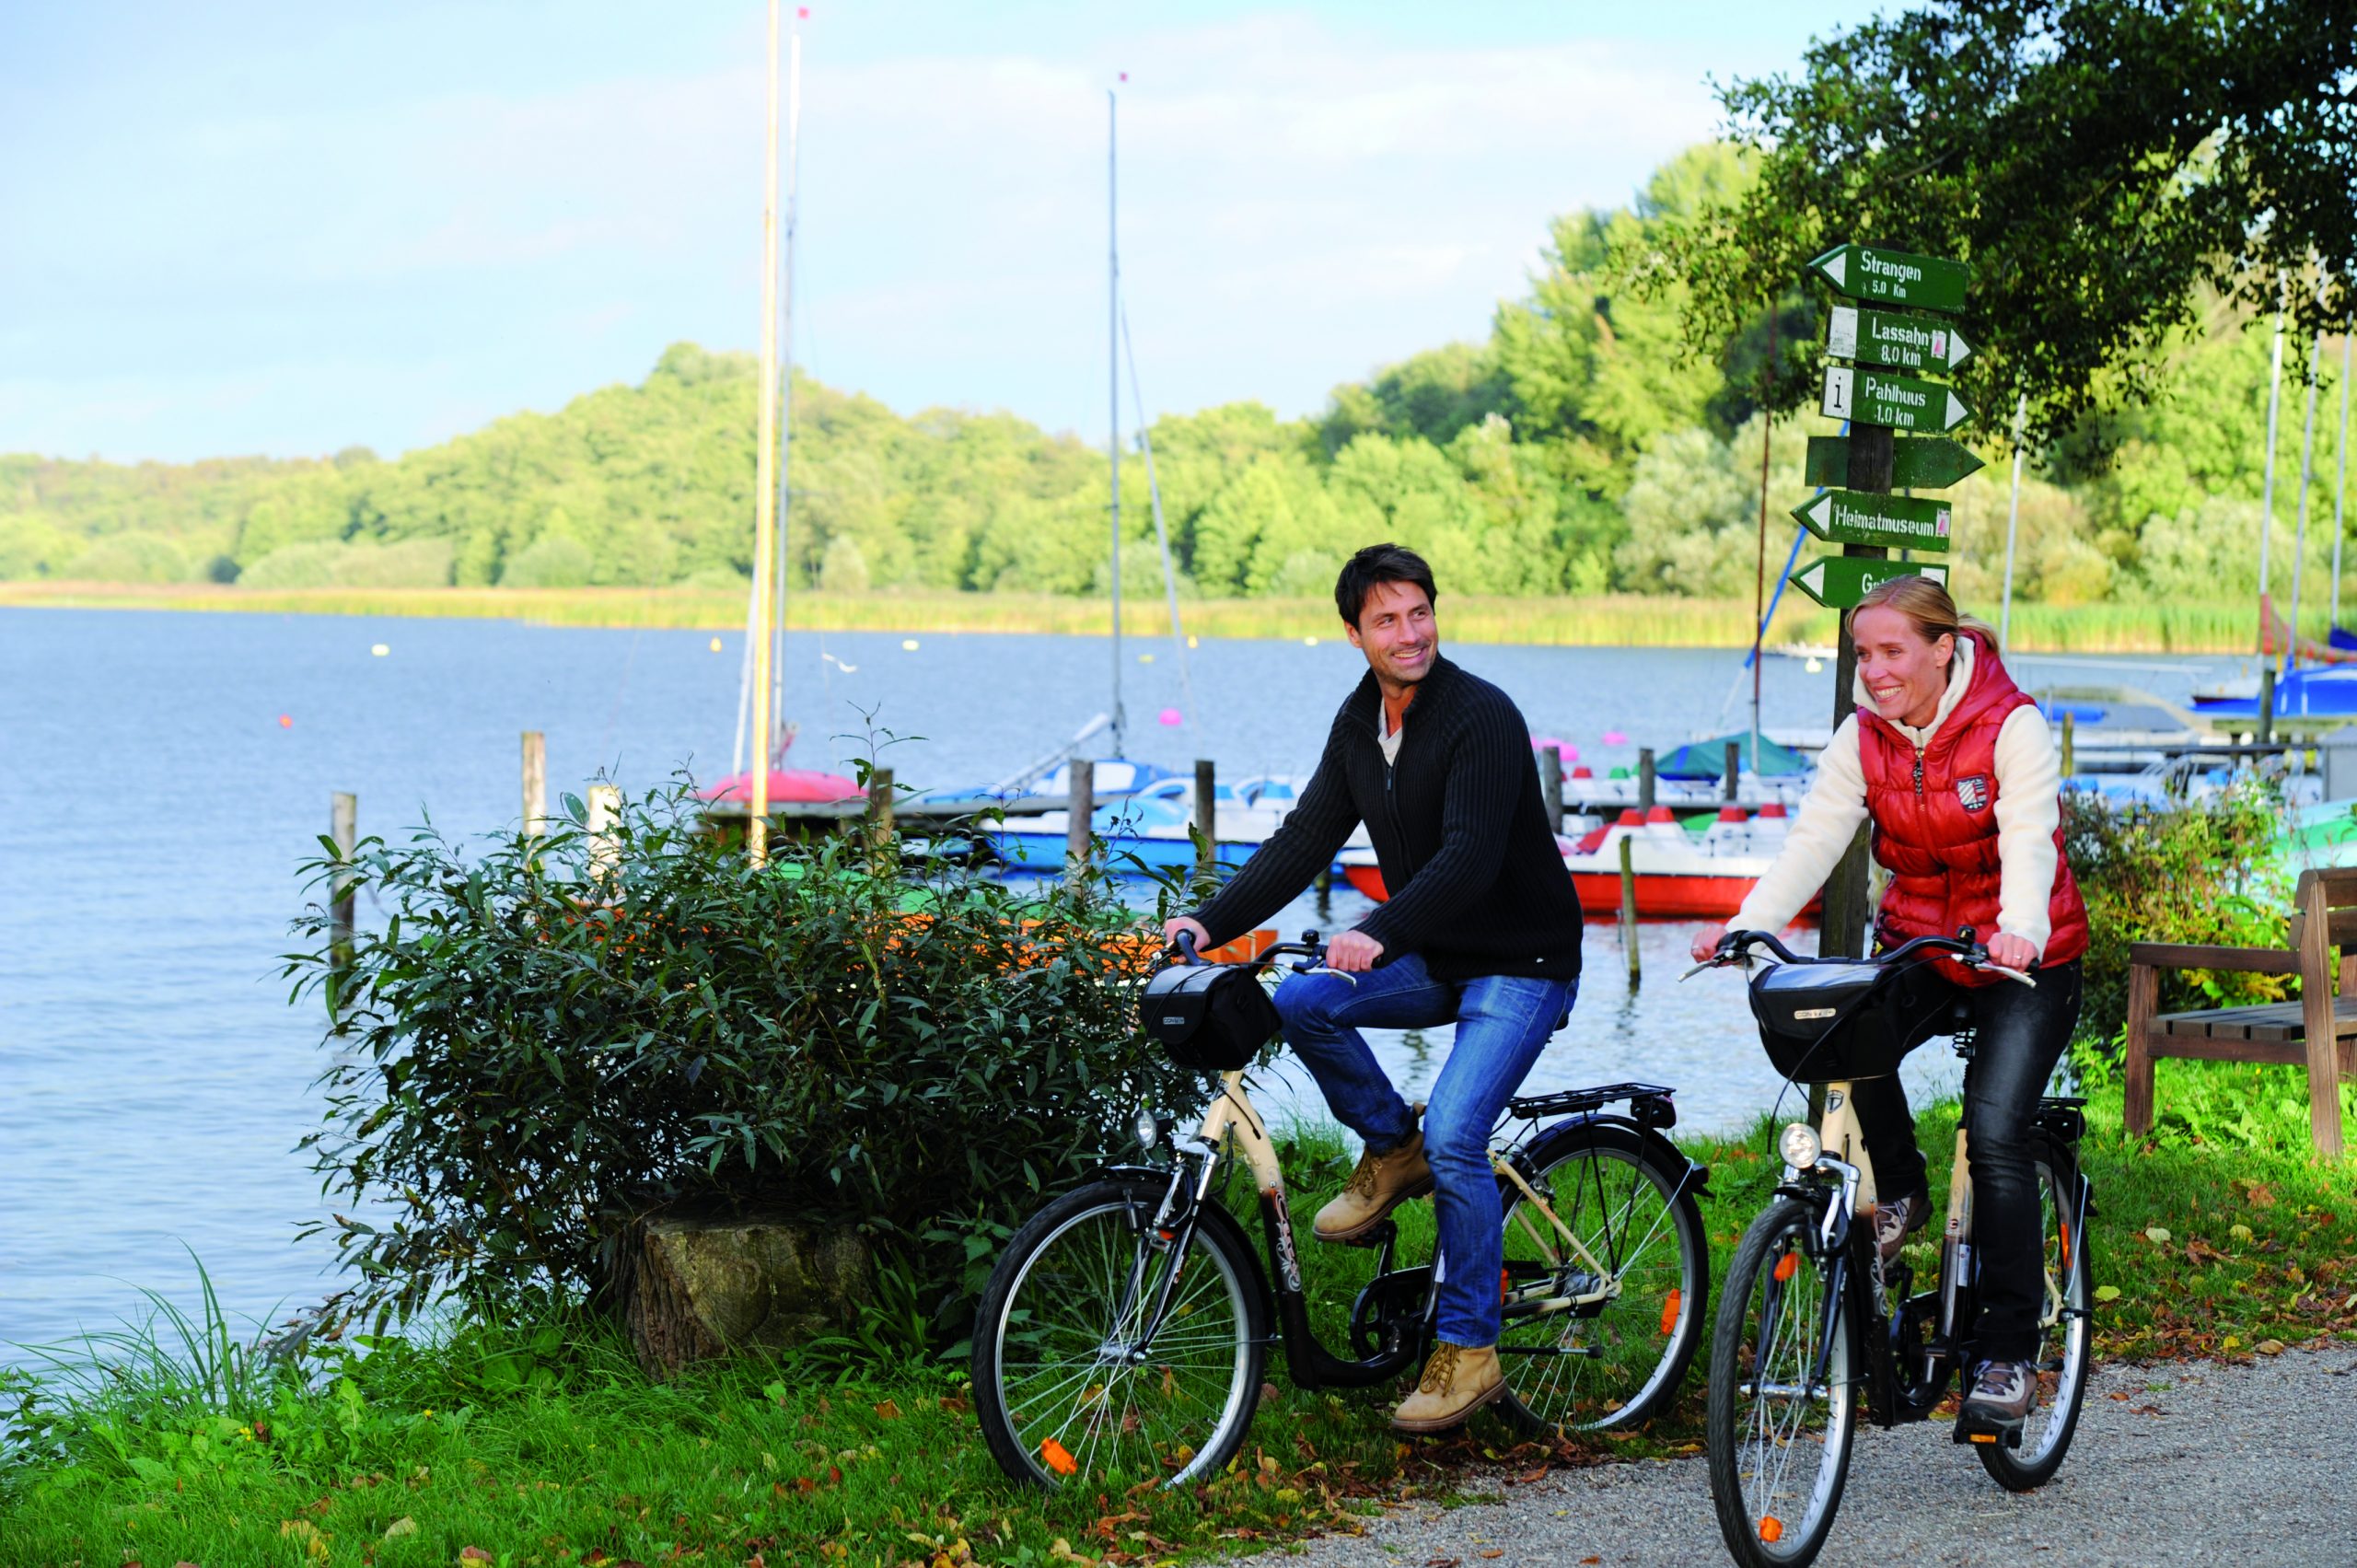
(1213, 1017)
(1825, 1021)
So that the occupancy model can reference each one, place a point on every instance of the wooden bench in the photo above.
(2318, 1031)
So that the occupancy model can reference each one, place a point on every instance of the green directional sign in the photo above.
(1894, 277)
(1874, 397)
(1852, 517)
(1890, 337)
(1918, 462)
(1839, 582)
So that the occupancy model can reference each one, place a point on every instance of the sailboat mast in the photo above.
(757, 822)
(1113, 383)
(785, 392)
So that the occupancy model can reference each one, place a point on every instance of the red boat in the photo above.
(786, 784)
(1679, 875)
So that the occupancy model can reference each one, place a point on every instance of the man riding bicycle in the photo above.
(1482, 930)
(1955, 767)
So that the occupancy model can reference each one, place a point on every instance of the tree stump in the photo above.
(692, 1287)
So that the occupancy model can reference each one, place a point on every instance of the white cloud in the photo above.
(1298, 206)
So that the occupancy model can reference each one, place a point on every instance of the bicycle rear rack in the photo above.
(1650, 1105)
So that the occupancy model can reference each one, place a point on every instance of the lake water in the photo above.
(162, 775)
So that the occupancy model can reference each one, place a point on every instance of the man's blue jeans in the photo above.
(1502, 1022)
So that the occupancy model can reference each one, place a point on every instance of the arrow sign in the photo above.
(1894, 277)
(1887, 337)
(1918, 462)
(1839, 582)
(1852, 517)
(1873, 396)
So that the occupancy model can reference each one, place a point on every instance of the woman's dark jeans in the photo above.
(2021, 1036)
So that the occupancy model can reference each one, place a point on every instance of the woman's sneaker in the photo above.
(1895, 1219)
(1998, 1402)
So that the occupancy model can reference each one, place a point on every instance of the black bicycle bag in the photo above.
(1820, 1022)
(1213, 1017)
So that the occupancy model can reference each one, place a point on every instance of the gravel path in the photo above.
(2200, 1463)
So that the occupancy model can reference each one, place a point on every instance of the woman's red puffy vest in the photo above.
(1936, 823)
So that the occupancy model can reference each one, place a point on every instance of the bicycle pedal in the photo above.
(2009, 1434)
(1381, 1235)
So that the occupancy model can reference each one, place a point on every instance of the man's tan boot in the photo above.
(1381, 1183)
(1458, 1380)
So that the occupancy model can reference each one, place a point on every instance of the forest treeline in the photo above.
(1581, 448)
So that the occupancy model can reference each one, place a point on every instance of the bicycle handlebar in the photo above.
(1311, 951)
(1735, 947)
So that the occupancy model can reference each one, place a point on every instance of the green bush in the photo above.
(530, 1053)
(2203, 871)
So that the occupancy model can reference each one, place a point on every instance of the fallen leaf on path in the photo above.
(2269, 1347)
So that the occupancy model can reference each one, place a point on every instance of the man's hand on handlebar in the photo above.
(1179, 925)
(1353, 952)
(1706, 942)
(2010, 952)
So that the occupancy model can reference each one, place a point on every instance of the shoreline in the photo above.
(1593, 621)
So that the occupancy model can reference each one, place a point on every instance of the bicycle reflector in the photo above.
(1799, 1145)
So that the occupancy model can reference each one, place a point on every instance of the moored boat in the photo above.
(1679, 875)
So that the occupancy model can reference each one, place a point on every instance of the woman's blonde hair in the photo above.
(1924, 602)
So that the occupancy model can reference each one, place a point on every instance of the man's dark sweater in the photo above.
(1477, 884)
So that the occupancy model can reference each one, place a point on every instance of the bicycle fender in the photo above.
(1698, 1175)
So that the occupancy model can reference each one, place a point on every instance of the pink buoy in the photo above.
(1616, 738)
(1172, 717)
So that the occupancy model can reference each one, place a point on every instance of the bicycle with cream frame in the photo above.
(1809, 1321)
(1124, 1332)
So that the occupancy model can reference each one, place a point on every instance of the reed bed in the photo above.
(1593, 621)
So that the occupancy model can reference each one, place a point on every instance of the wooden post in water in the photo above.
(1646, 778)
(1206, 819)
(1551, 786)
(1628, 910)
(603, 807)
(880, 826)
(343, 827)
(535, 782)
(1080, 812)
(2070, 739)
(1735, 768)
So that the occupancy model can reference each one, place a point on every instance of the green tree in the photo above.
(2092, 161)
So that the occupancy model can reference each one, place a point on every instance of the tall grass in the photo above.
(1596, 620)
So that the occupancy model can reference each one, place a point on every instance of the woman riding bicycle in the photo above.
(1955, 766)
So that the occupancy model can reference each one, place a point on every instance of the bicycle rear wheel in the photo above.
(1069, 1385)
(2066, 1333)
(1779, 1432)
(1583, 1347)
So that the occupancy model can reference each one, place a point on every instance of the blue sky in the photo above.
(287, 228)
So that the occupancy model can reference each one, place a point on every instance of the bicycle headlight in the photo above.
(1799, 1145)
(1149, 1126)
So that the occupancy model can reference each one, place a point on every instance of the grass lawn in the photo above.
(546, 1445)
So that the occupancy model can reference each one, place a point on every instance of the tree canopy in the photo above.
(2103, 166)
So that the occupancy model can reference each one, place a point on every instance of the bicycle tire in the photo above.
(1771, 1514)
(1049, 1370)
(2066, 1331)
(1570, 1369)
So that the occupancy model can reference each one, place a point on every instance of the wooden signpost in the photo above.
(1857, 511)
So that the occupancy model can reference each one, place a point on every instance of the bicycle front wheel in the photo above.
(2065, 1329)
(1598, 1334)
(1105, 1356)
(1782, 1408)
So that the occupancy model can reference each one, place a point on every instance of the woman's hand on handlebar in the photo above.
(1706, 942)
(2010, 952)
(1353, 952)
(1186, 926)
